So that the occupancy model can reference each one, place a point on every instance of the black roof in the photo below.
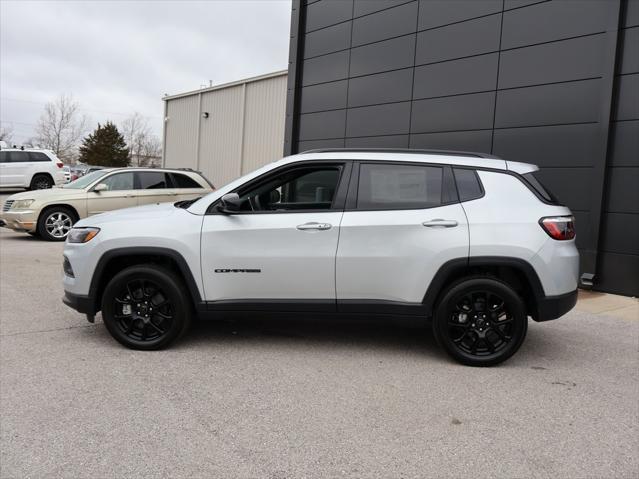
(404, 150)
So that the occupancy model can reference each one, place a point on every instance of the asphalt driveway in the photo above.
(302, 398)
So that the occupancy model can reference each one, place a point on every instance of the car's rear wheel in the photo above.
(55, 223)
(480, 321)
(146, 307)
(41, 182)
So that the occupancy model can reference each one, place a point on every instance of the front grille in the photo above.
(7, 205)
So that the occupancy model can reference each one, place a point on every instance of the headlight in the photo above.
(21, 204)
(82, 235)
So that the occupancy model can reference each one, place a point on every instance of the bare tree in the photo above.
(6, 133)
(136, 132)
(152, 151)
(61, 127)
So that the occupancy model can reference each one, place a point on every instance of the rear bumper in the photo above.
(553, 307)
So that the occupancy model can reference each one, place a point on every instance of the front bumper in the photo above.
(20, 220)
(553, 307)
(82, 304)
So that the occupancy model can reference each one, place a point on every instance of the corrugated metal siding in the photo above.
(264, 122)
(181, 132)
(244, 130)
(221, 134)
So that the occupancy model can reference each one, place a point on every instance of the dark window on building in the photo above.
(468, 184)
(36, 156)
(152, 180)
(297, 189)
(541, 190)
(183, 181)
(399, 187)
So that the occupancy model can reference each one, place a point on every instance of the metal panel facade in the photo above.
(551, 82)
(244, 128)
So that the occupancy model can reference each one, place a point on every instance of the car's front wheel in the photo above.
(480, 321)
(146, 307)
(55, 223)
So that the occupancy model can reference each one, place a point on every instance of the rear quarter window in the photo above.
(468, 184)
(36, 156)
(539, 189)
(184, 181)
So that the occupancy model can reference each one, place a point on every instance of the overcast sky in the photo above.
(118, 57)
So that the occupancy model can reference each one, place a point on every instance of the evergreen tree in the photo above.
(105, 147)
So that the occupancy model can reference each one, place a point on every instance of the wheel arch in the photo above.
(516, 272)
(40, 173)
(45, 208)
(114, 261)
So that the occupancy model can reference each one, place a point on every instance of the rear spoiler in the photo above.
(521, 168)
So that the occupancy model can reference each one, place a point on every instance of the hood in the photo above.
(44, 195)
(136, 214)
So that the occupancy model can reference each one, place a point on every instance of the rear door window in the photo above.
(15, 156)
(153, 180)
(383, 186)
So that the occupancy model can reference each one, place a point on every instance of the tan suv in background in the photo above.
(51, 213)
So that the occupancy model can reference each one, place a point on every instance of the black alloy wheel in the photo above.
(480, 321)
(146, 307)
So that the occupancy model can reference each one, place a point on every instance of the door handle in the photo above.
(438, 222)
(314, 226)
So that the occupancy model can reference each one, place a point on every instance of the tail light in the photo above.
(60, 164)
(559, 227)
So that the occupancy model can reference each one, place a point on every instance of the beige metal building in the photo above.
(227, 130)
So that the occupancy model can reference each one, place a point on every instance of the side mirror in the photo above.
(100, 187)
(229, 203)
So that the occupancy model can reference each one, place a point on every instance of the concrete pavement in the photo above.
(302, 399)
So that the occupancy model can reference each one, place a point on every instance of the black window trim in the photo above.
(345, 167)
(351, 203)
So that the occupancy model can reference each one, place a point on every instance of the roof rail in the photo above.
(404, 150)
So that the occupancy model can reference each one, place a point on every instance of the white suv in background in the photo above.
(30, 168)
(472, 242)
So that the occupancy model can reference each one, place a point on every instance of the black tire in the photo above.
(55, 223)
(41, 182)
(146, 307)
(480, 321)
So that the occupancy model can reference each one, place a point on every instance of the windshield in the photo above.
(86, 180)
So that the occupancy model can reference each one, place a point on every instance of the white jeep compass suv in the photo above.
(472, 242)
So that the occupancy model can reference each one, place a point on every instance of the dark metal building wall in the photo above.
(528, 80)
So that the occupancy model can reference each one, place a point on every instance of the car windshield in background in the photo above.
(86, 180)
